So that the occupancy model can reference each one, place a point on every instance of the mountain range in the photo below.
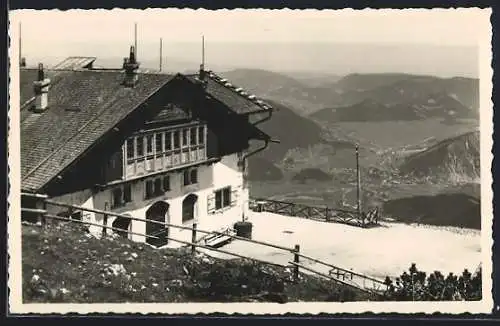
(418, 96)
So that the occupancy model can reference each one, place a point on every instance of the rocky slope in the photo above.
(454, 159)
(111, 270)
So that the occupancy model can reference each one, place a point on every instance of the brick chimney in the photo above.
(202, 76)
(130, 65)
(41, 88)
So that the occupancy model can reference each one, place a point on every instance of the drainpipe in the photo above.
(260, 149)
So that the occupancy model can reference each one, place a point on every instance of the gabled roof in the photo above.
(83, 105)
(233, 96)
(72, 63)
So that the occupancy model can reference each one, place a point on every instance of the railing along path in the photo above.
(337, 274)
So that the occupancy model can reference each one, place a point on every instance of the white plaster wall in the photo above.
(210, 178)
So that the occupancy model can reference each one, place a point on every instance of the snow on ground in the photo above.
(387, 250)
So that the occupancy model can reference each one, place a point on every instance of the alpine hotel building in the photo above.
(169, 148)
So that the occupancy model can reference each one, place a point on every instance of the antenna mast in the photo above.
(20, 44)
(161, 52)
(135, 39)
(203, 52)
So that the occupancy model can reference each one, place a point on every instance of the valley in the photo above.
(411, 160)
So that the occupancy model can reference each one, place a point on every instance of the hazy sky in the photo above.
(444, 41)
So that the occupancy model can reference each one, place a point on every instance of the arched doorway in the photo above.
(158, 212)
(189, 208)
(123, 223)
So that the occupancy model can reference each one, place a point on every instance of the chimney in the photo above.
(130, 65)
(202, 74)
(23, 62)
(41, 87)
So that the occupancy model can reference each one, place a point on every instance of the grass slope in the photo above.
(61, 263)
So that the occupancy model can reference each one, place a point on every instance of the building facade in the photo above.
(165, 148)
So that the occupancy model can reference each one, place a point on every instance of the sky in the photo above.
(443, 42)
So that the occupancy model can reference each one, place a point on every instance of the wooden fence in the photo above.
(318, 213)
(336, 274)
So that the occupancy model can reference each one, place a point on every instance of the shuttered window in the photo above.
(222, 198)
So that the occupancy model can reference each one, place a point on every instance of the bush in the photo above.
(415, 285)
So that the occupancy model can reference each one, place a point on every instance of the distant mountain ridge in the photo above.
(453, 159)
(415, 92)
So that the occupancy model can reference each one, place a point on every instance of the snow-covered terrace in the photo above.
(382, 251)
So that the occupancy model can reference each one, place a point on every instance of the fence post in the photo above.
(105, 224)
(327, 218)
(193, 238)
(42, 216)
(296, 261)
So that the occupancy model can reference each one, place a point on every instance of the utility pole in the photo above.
(358, 183)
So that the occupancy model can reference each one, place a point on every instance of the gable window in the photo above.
(223, 198)
(139, 146)
(193, 136)
(168, 141)
(201, 135)
(176, 139)
(190, 177)
(130, 148)
(184, 137)
(159, 143)
(149, 144)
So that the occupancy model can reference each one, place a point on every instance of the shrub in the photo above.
(415, 285)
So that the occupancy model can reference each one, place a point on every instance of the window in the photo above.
(176, 139)
(193, 136)
(201, 135)
(127, 193)
(117, 197)
(168, 141)
(194, 176)
(149, 144)
(166, 183)
(226, 197)
(149, 189)
(190, 177)
(184, 137)
(139, 146)
(130, 148)
(158, 187)
(159, 143)
(223, 198)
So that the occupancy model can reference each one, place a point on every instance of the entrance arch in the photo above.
(189, 208)
(124, 224)
(158, 212)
